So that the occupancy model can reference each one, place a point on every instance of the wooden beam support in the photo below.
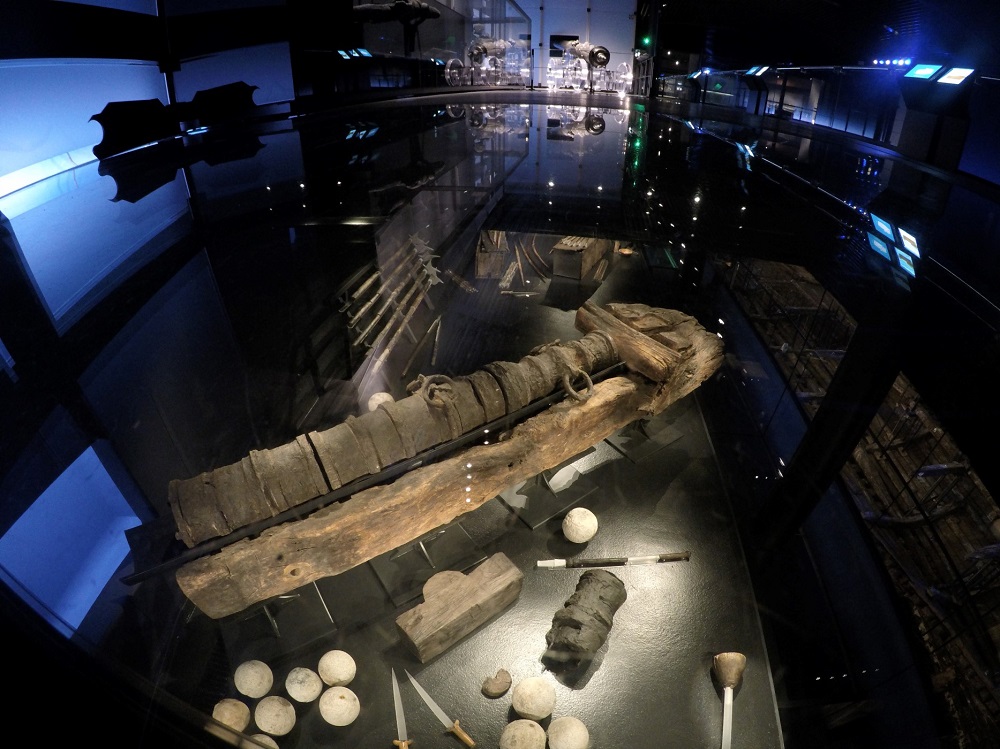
(382, 518)
(639, 352)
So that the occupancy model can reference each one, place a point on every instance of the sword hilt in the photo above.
(465, 738)
(402, 744)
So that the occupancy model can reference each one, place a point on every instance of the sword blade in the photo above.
(441, 714)
(398, 702)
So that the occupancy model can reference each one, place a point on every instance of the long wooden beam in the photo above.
(381, 518)
(377, 520)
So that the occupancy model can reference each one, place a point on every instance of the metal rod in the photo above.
(678, 556)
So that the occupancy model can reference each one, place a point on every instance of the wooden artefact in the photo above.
(496, 685)
(456, 604)
(728, 669)
(384, 517)
(575, 257)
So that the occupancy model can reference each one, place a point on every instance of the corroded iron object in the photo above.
(582, 625)
(268, 482)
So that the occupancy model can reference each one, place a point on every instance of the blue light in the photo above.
(879, 245)
(883, 227)
(70, 542)
(7, 362)
(922, 71)
(906, 263)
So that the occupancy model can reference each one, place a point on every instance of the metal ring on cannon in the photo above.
(431, 388)
(568, 387)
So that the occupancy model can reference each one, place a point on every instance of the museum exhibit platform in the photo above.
(368, 371)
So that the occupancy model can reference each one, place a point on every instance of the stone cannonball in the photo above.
(534, 698)
(579, 525)
(568, 732)
(303, 684)
(275, 715)
(263, 738)
(522, 734)
(232, 713)
(339, 706)
(253, 678)
(377, 399)
(337, 668)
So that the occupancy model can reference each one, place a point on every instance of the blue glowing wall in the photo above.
(69, 543)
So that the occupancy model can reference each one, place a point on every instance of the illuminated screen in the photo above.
(753, 70)
(879, 245)
(955, 75)
(763, 69)
(909, 242)
(906, 263)
(883, 226)
(922, 71)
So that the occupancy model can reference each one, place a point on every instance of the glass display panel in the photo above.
(922, 71)
(879, 245)
(909, 242)
(955, 75)
(883, 226)
(906, 263)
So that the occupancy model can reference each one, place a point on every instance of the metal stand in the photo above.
(642, 438)
(403, 571)
(279, 627)
(548, 494)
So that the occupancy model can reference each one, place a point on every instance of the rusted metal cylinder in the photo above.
(260, 486)
(268, 482)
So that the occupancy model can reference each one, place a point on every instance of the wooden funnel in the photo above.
(729, 668)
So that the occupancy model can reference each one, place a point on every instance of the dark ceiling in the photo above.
(731, 34)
